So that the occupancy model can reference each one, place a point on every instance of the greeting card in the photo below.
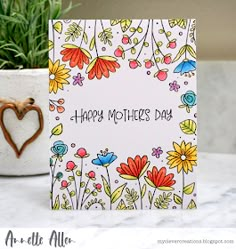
(123, 130)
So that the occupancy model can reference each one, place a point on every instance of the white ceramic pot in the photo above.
(19, 85)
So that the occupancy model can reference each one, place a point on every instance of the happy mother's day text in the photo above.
(123, 115)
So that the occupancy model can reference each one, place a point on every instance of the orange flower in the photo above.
(101, 66)
(134, 168)
(159, 179)
(76, 55)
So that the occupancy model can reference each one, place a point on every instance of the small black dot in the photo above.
(89, 27)
(162, 161)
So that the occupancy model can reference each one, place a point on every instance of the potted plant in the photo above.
(24, 77)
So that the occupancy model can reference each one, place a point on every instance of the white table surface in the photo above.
(25, 203)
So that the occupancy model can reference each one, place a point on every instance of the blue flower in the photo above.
(185, 67)
(189, 99)
(59, 149)
(104, 159)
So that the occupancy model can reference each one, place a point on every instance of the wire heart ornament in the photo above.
(20, 114)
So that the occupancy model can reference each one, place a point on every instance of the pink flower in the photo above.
(70, 165)
(81, 153)
(119, 52)
(167, 59)
(172, 44)
(65, 184)
(133, 64)
(161, 74)
(98, 186)
(91, 174)
(174, 86)
(148, 64)
(126, 40)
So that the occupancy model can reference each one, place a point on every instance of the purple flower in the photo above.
(174, 86)
(78, 80)
(157, 152)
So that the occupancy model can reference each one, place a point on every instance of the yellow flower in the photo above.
(57, 76)
(184, 157)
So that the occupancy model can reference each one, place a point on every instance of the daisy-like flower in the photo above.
(184, 157)
(134, 168)
(101, 66)
(159, 179)
(76, 55)
(58, 76)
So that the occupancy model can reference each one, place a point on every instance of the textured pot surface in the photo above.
(19, 85)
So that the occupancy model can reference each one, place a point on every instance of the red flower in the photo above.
(91, 174)
(98, 186)
(167, 59)
(81, 153)
(119, 52)
(161, 74)
(76, 55)
(101, 66)
(159, 179)
(65, 184)
(172, 44)
(134, 168)
(70, 166)
(126, 39)
(133, 64)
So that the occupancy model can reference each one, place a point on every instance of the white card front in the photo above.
(123, 114)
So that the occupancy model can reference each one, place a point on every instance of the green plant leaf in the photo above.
(121, 205)
(57, 130)
(71, 178)
(180, 53)
(150, 196)
(182, 23)
(149, 182)
(56, 205)
(191, 51)
(188, 190)
(125, 24)
(72, 193)
(192, 205)
(117, 193)
(166, 188)
(144, 168)
(92, 43)
(128, 177)
(144, 188)
(58, 26)
(106, 186)
(177, 199)
(188, 126)
(115, 22)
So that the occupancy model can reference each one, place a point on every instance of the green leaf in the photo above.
(117, 193)
(188, 126)
(177, 199)
(78, 173)
(128, 177)
(50, 45)
(121, 205)
(58, 26)
(180, 53)
(106, 186)
(125, 24)
(150, 196)
(72, 193)
(92, 44)
(71, 178)
(149, 182)
(191, 51)
(144, 188)
(115, 22)
(133, 50)
(56, 205)
(144, 169)
(57, 130)
(188, 190)
(135, 40)
(182, 23)
(85, 38)
(166, 188)
(82, 184)
(192, 205)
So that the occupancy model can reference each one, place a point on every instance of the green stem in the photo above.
(88, 197)
(70, 198)
(140, 189)
(76, 190)
(152, 198)
(109, 182)
(53, 182)
(187, 38)
(82, 202)
(78, 196)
